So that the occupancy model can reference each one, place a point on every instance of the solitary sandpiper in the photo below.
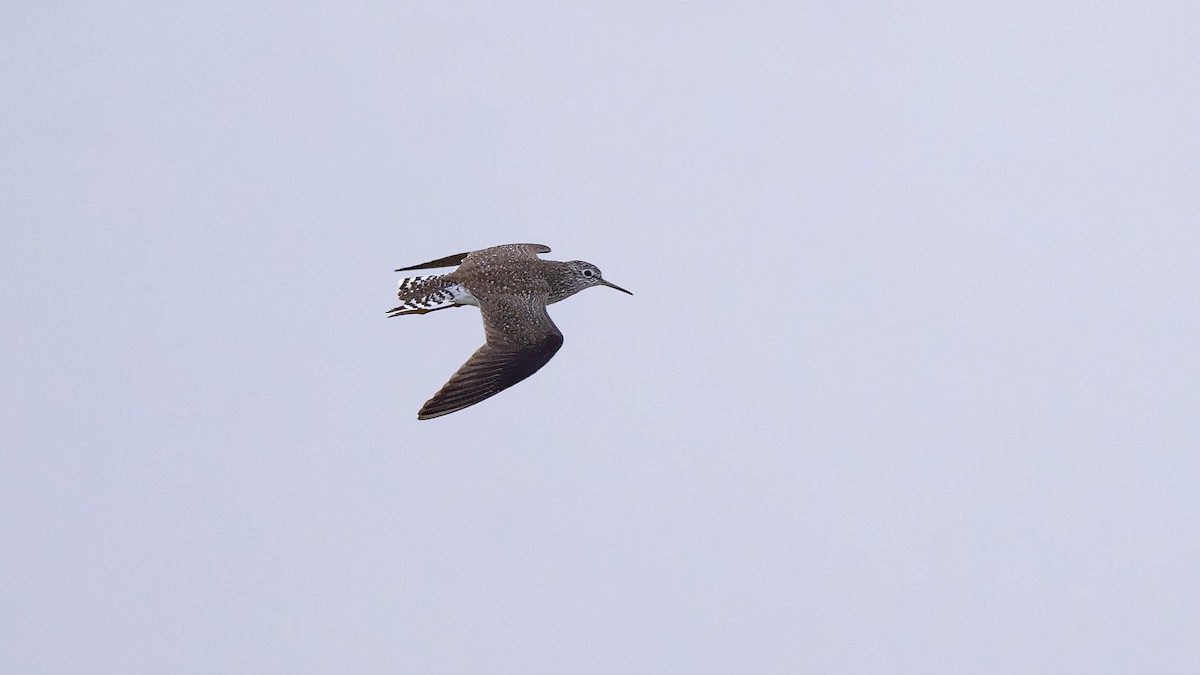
(511, 286)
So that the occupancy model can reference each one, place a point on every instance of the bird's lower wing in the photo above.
(490, 370)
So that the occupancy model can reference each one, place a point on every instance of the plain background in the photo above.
(909, 383)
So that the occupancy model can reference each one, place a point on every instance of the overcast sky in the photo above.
(909, 382)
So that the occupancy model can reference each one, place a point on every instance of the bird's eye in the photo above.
(589, 273)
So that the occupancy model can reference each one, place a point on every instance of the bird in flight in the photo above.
(511, 286)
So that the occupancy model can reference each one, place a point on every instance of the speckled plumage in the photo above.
(511, 286)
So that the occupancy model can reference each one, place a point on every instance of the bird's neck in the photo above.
(561, 280)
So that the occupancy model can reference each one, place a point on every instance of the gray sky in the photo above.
(909, 383)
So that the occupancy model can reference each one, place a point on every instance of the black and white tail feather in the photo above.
(421, 295)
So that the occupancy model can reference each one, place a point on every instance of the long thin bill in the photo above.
(612, 285)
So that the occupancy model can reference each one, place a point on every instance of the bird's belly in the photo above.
(462, 296)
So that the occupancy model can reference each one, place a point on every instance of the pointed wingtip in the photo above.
(448, 261)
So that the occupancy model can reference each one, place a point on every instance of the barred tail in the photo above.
(419, 295)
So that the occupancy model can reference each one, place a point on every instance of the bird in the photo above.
(511, 286)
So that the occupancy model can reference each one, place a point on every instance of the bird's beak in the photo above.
(612, 285)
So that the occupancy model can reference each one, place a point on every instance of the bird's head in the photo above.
(585, 275)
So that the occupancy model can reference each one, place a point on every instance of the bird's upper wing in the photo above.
(448, 261)
(521, 339)
(528, 250)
